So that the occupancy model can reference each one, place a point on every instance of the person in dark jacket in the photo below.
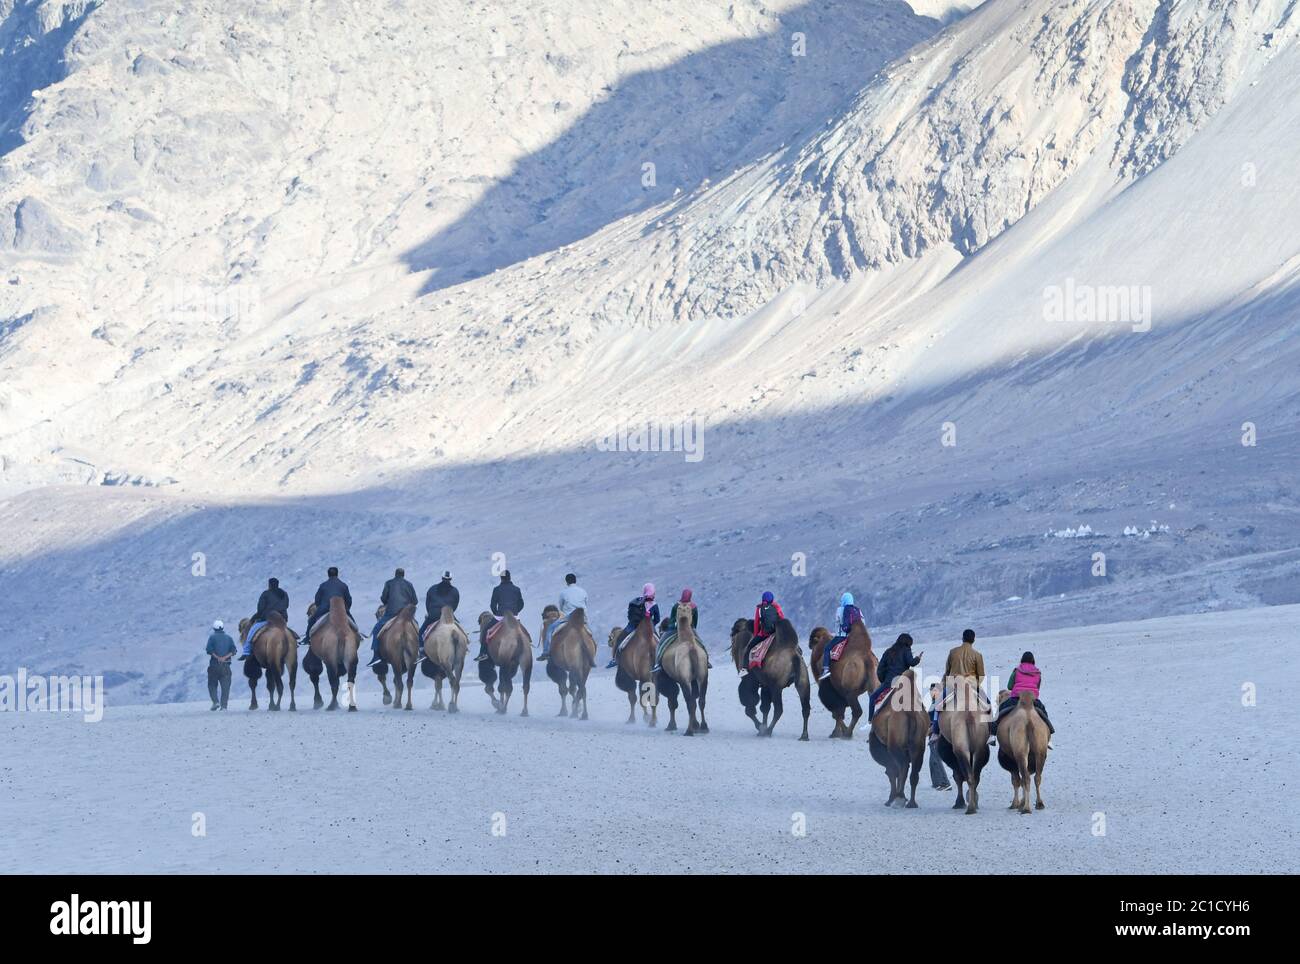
(219, 649)
(506, 598)
(273, 600)
(397, 595)
(333, 587)
(766, 615)
(440, 594)
(896, 661)
(642, 607)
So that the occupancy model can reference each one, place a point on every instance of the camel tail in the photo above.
(578, 618)
(447, 616)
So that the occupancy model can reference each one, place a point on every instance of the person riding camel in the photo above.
(964, 660)
(397, 595)
(273, 600)
(332, 588)
(896, 660)
(440, 594)
(846, 614)
(506, 598)
(766, 614)
(1025, 678)
(642, 607)
(670, 626)
(572, 597)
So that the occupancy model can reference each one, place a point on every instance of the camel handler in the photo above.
(220, 649)
(572, 597)
(966, 660)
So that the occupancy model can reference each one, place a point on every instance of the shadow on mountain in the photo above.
(699, 118)
(861, 497)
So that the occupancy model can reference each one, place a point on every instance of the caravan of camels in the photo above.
(656, 659)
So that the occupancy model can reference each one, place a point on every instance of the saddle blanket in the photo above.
(882, 699)
(424, 636)
(837, 649)
(253, 630)
(759, 653)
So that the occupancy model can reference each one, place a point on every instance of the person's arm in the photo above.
(1011, 680)
(913, 660)
(383, 596)
(347, 598)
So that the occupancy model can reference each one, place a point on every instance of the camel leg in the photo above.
(631, 706)
(454, 705)
(856, 707)
(333, 673)
(1022, 767)
(778, 708)
(293, 682)
(352, 686)
(1015, 792)
(805, 697)
(672, 714)
(704, 695)
(654, 715)
(563, 687)
(765, 704)
(1038, 784)
(917, 760)
(410, 686)
(381, 671)
(275, 686)
(528, 676)
(582, 695)
(506, 688)
(252, 689)
(437, 695)
(688, 692)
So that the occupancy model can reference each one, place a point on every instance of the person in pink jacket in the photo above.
(1025, 678)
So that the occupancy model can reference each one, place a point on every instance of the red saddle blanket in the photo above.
(759, 653)
(837, 650)
(882, 699)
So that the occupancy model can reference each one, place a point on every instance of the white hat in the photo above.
(218, 625)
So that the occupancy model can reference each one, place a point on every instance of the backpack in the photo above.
(767, 618)
(636, 610)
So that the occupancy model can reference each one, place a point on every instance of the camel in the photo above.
(333, 648)
(399, 646)
(964, 737)
(782, 667)
(573, 654)
(1022, 750)
(509, 650)
(853, 674)
(685, 667)
(274, 650)
(633, 675)
(898, 734)
(445, 647)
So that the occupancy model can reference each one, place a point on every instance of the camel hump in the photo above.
(578, 617)
(1026, 699)
(276, 620)
(447, 615)
(338, 613)
(408, 612)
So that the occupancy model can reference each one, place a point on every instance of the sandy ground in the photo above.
(1154, 740)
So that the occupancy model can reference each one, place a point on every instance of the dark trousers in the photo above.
(938, 775)
(219, 675)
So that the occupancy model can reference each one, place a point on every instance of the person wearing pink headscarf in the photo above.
(671, 625)
(642, 607)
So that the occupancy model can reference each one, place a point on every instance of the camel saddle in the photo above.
(759, 653)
